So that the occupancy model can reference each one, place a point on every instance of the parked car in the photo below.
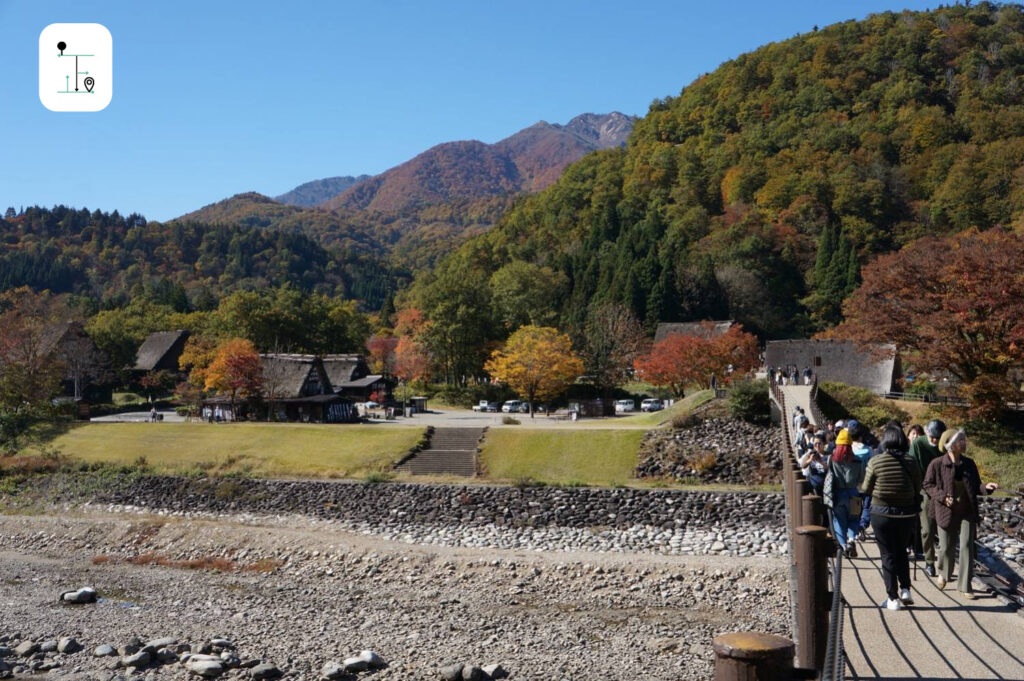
(481, 405)
(491, 407)
(652, 404)
(511, 407)
(624, 406)
(371, 404)
(524, 408)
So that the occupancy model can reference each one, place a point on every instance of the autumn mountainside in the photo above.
(760, 190)
(109, 258)
(314, 193)
(529, 160)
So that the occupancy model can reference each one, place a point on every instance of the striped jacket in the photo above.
(888, 484)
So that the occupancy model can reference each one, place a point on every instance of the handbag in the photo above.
(828, 489)
(856, 505)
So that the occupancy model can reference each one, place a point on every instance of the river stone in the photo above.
(83, 595)
(333, 671)
(69, 645)
(139, 659)
(452, 672)
(205, 668)
(355, 664)
(158, 643)
(26, 648)
(104, 650)
(495, 671)
(48, 646)
(265, 671)
(373, 660)
(471, 673)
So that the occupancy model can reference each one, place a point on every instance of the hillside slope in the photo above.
(314, 193)
(758, 191)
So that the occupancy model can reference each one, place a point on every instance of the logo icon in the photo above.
(76, 67)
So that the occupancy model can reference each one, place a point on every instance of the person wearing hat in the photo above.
(843, 477)
(954, 485)
(924, 450)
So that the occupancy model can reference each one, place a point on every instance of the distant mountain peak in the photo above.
(314, 193)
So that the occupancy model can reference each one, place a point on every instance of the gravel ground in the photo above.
(299, 594)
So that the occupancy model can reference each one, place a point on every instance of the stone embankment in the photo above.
(536, 518)
(714, 450)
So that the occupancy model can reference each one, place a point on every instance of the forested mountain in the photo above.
(758, 191)
(314, 193)
(109, 257)
(469, 170)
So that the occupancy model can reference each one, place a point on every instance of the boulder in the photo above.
(158, 643)
(69, 646)
(84, 595)
(373, 660)
(139, 659)
(472, 673)
(104, 650)
(332, 671)
(452, 672)
(208, 669)
(262, 672)
(355, 664)
(495, 671)
(48, 646)
(26, 648)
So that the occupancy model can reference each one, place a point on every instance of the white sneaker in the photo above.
(905, 597)
(941, 583)
(892, 604)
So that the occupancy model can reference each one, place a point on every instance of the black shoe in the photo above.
(918, 556)
(929, 570)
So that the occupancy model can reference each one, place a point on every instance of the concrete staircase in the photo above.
(452, 451)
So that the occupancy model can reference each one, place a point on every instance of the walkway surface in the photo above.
(941, 636)
(797, 395)
(452, 451)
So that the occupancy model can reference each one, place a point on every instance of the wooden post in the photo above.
(812, 595)
(752, 656)
(813, 510)
(803, 488)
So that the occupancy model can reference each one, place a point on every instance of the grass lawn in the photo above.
(560, 457)
(264, 449)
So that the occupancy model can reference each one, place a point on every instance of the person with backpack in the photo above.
(893, 481)
(843, 476)
(954, 485)
(861, 443)
(924, 450)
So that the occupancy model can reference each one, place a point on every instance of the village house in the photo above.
(161, 351)
(87, 375)
(350, 377)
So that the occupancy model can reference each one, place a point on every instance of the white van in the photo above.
(624, 406)
(511, 407)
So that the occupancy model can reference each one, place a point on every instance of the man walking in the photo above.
(924, 450)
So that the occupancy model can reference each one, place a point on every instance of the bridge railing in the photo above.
(816, 649)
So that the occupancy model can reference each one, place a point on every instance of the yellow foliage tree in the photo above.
(537, 362)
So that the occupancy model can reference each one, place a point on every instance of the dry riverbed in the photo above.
(299, 596)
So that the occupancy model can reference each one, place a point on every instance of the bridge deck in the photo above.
(797, 395)
(942, 636)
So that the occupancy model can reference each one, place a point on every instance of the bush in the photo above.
(841, 401)
(687, 420)
(749, 401)
(377, 477)
(510, 420)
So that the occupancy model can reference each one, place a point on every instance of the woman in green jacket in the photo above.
(893, 480)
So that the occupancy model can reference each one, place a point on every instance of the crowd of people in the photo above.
(916, 491)
(790, 375)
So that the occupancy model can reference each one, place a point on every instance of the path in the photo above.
(942, 636)
(797, 395)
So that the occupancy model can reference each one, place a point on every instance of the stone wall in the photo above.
(838, 360)
(465, 505)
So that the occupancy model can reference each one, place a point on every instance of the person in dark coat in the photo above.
(954, 485)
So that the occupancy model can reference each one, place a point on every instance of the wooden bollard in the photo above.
(813, 510)
(752, 656)
(803, 488)
(812, 546)
(796, 495)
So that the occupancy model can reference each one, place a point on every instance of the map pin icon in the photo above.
(89, 82)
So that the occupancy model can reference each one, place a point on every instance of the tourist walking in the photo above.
(954, 485)
(863, 450)
(843, 477)
(813, 464)
(924, 450)
(893, 481)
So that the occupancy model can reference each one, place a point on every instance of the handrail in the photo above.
(834, 668)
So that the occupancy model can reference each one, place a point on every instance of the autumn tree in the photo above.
(956, 305)
(612, 340)
(381, 354)
(412, 362)
(235, 370)
(537, 362)
(679, 360)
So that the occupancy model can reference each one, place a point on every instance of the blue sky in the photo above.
(215, 98)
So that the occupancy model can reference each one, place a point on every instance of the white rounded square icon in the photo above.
(76, 67)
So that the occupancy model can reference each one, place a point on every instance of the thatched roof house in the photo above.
(161, 351)
(350, 376)
(707, 329)
(87, 372)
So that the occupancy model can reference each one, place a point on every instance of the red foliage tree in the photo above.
(956, 305)
(679, 360)
(381, 351)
